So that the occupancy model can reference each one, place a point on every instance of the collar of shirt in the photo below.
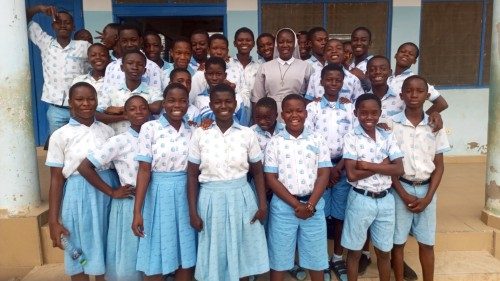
(70, 46)
(324, 103)
(73, 122)
(167, 66)
(236, 60)
(283, 62)
(164, 122)
(204, 93)
(235, 125)
(360, 131)
(133, 132)
(277, 129)
(387, 94)
(143, 88)
(286, 135)
(401, 118)
(353, 63)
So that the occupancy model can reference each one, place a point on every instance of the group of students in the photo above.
(338, 148)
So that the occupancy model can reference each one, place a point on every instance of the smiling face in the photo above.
(63, 25)
(265, 117)
(406, 56)
(98, 57)
(153, 47)
(83, 103)
(134, 66)
(334, 52)
(265, 47)
(223, 105)
(360, 41)
(129, 40)
(332, 83)
(181, 54)
(414, 93)
(176, 104)
(244, 43)
(294, 115)
(286, 44)
(368, 114)
(378, 71)
(137, 111)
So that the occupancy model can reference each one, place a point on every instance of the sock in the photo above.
(336, 258)
(366, 253)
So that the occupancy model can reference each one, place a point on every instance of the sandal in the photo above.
(340, 269)
(327, 276)
(298, 273)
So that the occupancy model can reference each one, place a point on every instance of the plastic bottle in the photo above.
(75, 253)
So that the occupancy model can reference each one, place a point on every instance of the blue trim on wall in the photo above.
(482, 46)
(389, 30)
(167, 10)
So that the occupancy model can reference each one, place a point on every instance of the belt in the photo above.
(375, 195)
(304, 198)
(336, 160)
(415, 183)
(60, 106)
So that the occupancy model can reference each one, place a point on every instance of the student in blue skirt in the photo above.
(161, 217)
(77, 209)
(121, 250)
(223, 209)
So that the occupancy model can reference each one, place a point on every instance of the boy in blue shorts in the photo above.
(297, 168)
(414, 192)
(333, 119)
(371, 157)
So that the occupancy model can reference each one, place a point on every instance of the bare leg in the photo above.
(426, 255)
(80, 277)
(99, 278)
(384, 265)
(157, 277)
(244, 279)
(316, 275)
(352, 264)
(397, 259)
(277, 275)
(184, 274)
(338, 225)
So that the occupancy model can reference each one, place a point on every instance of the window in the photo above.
(337, 17)
(455, 42)
(169, 1)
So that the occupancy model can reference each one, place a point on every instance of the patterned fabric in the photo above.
(244, 76)
(392, 104)
(315, 64)
(396, 83)
(97, 84)
(115, 77)
(264, 136)
(361, 65)
(351, 89)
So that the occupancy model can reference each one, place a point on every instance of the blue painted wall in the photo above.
(405, 28)
(237, 19)
(96, 20)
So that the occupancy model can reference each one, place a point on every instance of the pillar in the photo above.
(19, 186)
(491, 211)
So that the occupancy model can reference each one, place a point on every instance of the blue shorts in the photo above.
(57, 117)
(422, 225)
(286, 231)
(336, 198)
(364, 213)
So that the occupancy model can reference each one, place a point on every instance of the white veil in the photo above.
(296, 51)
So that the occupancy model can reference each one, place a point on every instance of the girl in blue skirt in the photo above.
(223, 209)
(161, 217)
(83, 209)
(121, 254)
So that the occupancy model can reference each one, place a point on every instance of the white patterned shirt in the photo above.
(297, 160)
(392, 104)
(241, 112)
(315, 64)
(97, 84)
(121, 151)
(163, 146)
(419, 145)
(264, 136)
(361, 65)
(224, 156)
(118, 96)
(60, 65)
(167, 69)
(351, 88)
(115, 76)
(332, 120)
(396, 83)
(244, 76)
(199, 83)
(71, 143)
(359, 146)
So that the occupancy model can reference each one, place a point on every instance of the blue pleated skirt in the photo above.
(170, 241)
(229, 246)
(84, 213)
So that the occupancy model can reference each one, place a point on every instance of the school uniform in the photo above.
(117, 96)
(370, 205)
(264, 136)
(351, 88)
(395, 82)
(296, 161)
(229, 246)
(419, 145)
(96, 83)
(244, 77)
(114, 76)
(278, 78)
(122, 244)
(60, 66)
(241, 113)
(194, 64)
(361, 65)
(170, 241)
(332, 120)
(315, 64)
(167, 69)
(392, 104)
(84, 209)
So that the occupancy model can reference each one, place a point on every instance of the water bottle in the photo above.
(75, 253)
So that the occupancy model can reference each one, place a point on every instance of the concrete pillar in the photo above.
(491, 211)
(19, 186)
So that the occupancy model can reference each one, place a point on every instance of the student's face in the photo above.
(109, 38)
(286, 44)
(378, 71)
(332, 82)
(134, 67)
(360, 42)
(304, 47)
(294, 115)
(137, 112)
(219, 49)
(215, 75)
(347, 53)
(368, 114)
(152, 47)
(129, 40)
(334, 52)
(182, 78)
(244, 43)
(181, 54)
(63, 25)
(83, 103)
(265, 48)
(318, 42)
(406, 56)
(98, 57)
(223, 105)
(414, 94)
(199, 46)
(176, 104)
(265, 117)
(85, 36)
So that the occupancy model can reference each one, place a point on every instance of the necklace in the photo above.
(282, 76)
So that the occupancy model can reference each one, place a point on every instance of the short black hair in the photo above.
(78, 85)
(365, 97)
(217, 36)
(66, 13)
(332, 67)
(79, 32)
(377, 57)
(417, 53)
(414, 77)
(152, 33)
(100, 46)
(293, 97)
(267, 102)
(181, 40)
(200, 31)
(302, 32)
(265, 34)
(222, 88)
(173, 86)
(315, 30)
(178, 70)
(243, 30)
(215, 61)
(348, 42)
(127, 53)
(113, 25)
(129, 100)
(362, 28)
(129, 26)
